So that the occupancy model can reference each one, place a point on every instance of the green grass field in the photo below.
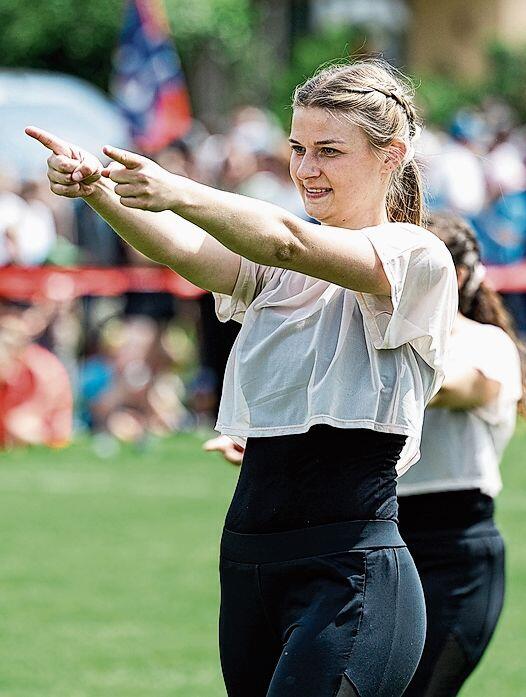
(108, 573)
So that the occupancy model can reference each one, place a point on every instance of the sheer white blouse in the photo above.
(312, 352)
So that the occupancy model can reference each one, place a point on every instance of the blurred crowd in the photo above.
(147, 364)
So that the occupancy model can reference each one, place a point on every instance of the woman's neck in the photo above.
(357, 220)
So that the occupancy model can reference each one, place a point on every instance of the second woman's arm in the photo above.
(465, 390)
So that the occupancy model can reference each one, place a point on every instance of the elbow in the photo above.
(289, 246)
(285, 252)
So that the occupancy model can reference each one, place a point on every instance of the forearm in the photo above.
(257, 230)
(168, 239)
(154, 234)
(272, 236)
(466, 390)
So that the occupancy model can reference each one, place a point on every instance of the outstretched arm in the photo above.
(257, 230)
(164, 237)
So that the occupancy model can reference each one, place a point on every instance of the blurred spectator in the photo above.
(455, 175)
(501, 229)
(35, 392)
(27, 228)
(257, 161)
(128, 384)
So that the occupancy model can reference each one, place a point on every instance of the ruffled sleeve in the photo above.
(251, 280)
(423, 302)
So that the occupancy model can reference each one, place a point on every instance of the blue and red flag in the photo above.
(148, 81)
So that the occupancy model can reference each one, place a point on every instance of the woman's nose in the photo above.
(307, 168)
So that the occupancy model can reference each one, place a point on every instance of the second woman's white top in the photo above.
(312, 352)
(462, 449)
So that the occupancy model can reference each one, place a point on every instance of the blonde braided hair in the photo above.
(371, 94)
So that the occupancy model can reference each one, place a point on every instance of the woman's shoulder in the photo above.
(408, 235)
(418, 246)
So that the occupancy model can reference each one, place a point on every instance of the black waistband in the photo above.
(427, 538)
(444, 510)
(310, 542)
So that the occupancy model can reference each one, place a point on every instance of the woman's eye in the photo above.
(329, 151)
(299, 149)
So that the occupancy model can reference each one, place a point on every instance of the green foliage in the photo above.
(226, 23)
(79, 37)
(308, 53)
(441, 97)
(508, 74)
(63, 35)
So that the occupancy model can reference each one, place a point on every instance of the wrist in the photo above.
(100, 189)
(186, 195)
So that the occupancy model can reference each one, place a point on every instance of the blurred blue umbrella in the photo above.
(67, 106)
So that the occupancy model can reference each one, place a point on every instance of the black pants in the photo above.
(329, 611)
(462, 573)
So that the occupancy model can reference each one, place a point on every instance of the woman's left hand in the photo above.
(141, 182)
(232, 452)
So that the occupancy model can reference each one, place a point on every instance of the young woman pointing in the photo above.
(344, 329)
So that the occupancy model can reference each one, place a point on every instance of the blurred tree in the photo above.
(79, 37)
(308, 53)
(508, 75)
(65, 35)
(441, 96)
(229, 48)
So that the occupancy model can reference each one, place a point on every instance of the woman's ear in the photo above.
(462, 275)
(394, 154)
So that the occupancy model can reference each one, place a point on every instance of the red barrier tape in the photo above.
(63, 283)
(510, 278)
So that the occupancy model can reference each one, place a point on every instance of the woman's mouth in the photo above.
(316, 193)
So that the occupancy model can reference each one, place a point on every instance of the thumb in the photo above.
(106, 171)
(83, 171)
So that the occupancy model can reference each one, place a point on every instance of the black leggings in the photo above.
(329, 611)
(462, 572)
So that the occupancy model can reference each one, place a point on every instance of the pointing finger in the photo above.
(48, 140)
(129, 159)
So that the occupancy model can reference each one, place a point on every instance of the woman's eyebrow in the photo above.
(320, 142)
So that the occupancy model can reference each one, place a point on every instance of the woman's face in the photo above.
(341, 180)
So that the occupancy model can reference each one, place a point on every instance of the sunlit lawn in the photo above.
(108, 573)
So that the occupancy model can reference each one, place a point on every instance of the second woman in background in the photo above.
(446, 501)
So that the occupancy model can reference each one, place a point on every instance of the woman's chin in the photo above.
(317, 211)
(323, 216)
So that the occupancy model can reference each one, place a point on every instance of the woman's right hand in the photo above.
(72, 172)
